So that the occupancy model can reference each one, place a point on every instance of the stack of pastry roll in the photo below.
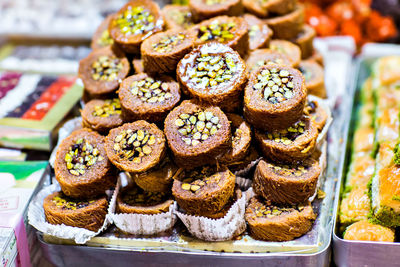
(176, 95)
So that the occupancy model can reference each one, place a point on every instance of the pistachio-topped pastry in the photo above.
(286, 183)
(89, 214)
(274, 97)
(215, 74)
(162, 51)
(145, 97)
(102, 115)
(305, 41)
(133, 199)
(135, 147)
(177, 16)
(314, 77)
(261, 57)
(317, 113)
(101, 38)
(231, 31)
(287, 48)
(203, 190)
(296, 142)
(82, 167)
(204, 9)
(197, 134)
(278, 223)
(102, 71)
(259, 32)
(289, 25)
(135, 22)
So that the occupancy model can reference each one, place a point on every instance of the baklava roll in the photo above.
(203, 190)
(314, 77)
(287, 48)
(295, 143)
(305, 41)
(177, 17)
(197, 134)
(82, 167)
(286, 184)
(89, 214)
(135, 147)
(214, 74)
(259, 32)
(317, 113)
(101, 37)
(135, 22)
(102, 115)
(144, 97)
(287, 26)
(274, 97)
(103, 70)
(231, 31)
(278, 223)
(205, 9)
(261, 57)
(161, 52)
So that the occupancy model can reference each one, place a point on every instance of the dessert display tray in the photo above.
(346, 252)
(178, 247)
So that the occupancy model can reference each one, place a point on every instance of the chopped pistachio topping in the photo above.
(182, 18)
(106, 68)
(289, 135)
(196, 179)
(134, 145)
(236, 135)
(275, 85)
(197, 127)
(167, 43)
(65, 202)
(254, 31)
(136, 20)
(105, 39)
(109, 108)
(288, 170)
(213, 2)
(273, 211)
(81, 156)
(137, 196)
(306, 73)
(217, 31)
(150, 90)
(263, 62)
(212, 70)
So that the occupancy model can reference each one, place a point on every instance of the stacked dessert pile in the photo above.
(185, 98)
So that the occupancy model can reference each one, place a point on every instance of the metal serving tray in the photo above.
(358, 253)
(112, 246)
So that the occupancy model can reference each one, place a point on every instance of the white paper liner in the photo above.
(37, 219)
(63, 133)
(222, 229)
(145, 224)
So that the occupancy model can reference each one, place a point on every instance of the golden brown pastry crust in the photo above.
(298, 149)
(144, 202)
(283, 227)
(273, 114)
(208, 198)
(136, 105)
(240, 40)
(280, 7)
(201, 10)
(101, 37)
(287, 26)
(165, 59)
(317, 113)
(314, 78)
(260, 57)
(98, 88)
(177, 17)
(305, 41)
(255, 7)
(95, 117)
(259, 32)
(226, 94)
(137, 160)
(89, 214)
(287, 48)
(138, 65)
(290, 184)
(130, 43)
(207, 151)
(97, 177)
(157, 179)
